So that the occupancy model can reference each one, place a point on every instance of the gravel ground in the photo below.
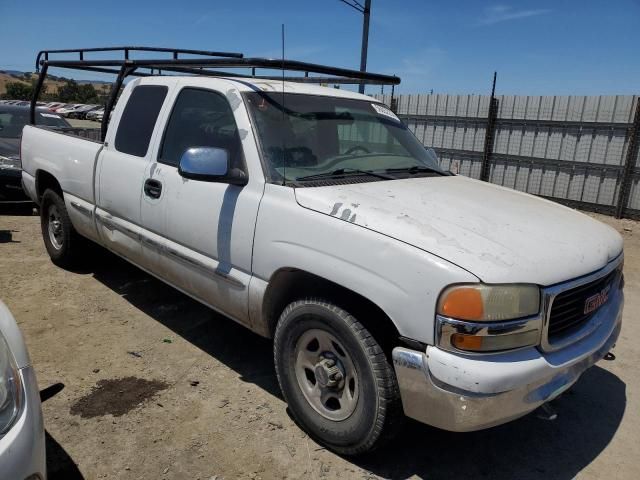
(157, 386)
(83, 123)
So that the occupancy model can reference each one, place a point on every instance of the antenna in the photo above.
(284, 152)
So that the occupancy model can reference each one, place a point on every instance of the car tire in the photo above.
(64, 245)
(361, 410)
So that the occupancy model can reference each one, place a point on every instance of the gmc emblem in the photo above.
(596, 301)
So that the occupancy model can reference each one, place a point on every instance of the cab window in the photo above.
(201, 118)
(139, 118)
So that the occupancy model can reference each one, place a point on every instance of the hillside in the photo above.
(52, 83)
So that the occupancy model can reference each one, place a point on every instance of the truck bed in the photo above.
(68, 157)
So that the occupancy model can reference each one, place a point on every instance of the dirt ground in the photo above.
(157, 386)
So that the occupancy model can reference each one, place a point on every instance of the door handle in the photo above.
(152, 188)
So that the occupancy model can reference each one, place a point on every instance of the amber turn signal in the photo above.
(463, 303)
(467, 342)
(495, 343)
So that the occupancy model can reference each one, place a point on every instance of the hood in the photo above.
(498, 234)
(9, 147)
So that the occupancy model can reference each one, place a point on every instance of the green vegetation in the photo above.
(69, 92)
(72, 92)
(18, 91)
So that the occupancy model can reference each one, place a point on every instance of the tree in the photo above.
(87, 94)
(68, 92)
(43, 90)
(18, 91)
(72, 92)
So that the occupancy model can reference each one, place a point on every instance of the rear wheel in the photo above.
(335, 377)
(61, 240)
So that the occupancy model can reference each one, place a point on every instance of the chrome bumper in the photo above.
(464, 393)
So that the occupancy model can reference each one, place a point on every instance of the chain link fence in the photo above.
(577, 150)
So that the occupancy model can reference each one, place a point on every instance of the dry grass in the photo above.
(52, 85)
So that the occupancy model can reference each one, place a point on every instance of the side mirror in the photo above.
(209, 164)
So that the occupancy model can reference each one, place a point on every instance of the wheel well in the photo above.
(288, 285)
(44, 181)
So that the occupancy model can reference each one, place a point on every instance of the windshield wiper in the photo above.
(415, 169)
(341, 172)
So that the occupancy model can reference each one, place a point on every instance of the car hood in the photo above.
(498, 234)
(9, 147)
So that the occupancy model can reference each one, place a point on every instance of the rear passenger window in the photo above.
(139, 118)
(201, 118)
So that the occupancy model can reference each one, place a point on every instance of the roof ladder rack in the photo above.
(207, 63)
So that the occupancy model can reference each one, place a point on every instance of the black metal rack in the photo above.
(209, 65)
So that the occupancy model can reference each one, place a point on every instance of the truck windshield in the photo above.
(328, 137)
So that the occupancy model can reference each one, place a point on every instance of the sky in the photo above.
(561, 47)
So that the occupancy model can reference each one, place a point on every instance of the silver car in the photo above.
(22, 441)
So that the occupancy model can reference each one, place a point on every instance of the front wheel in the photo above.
(61, 240)
(335, 377)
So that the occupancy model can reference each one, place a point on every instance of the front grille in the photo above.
(568, 308)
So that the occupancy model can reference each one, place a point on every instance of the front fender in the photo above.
(401, 279)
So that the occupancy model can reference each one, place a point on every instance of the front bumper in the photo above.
(463, 393)
(22, 448)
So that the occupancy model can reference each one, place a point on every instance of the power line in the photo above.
(354, 4)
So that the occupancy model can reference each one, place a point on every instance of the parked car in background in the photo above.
(68, 110)
(81, 112)
(95, 114)
(97, 109)
(53, 105)
(12, 120)
(22, 438)
(64, 105)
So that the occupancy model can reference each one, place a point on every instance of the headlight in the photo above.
(10, 388)
(488, 318)
(10, 163)
(488, 303)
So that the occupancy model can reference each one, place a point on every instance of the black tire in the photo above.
(67, 252)
(377, 412)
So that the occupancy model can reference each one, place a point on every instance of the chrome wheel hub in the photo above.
(55, 227)
(326, 374)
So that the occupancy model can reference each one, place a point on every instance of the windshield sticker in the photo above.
(381, 110)
(50, 115)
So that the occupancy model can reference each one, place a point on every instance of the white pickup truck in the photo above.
(312, 215)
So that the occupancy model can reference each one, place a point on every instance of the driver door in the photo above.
(201, 232)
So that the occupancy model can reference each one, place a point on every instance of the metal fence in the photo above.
(581, 151)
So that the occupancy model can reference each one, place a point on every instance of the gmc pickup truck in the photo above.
(313, 216)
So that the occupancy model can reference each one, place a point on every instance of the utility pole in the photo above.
(490, 133)
(366, 12)
(365, 40)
